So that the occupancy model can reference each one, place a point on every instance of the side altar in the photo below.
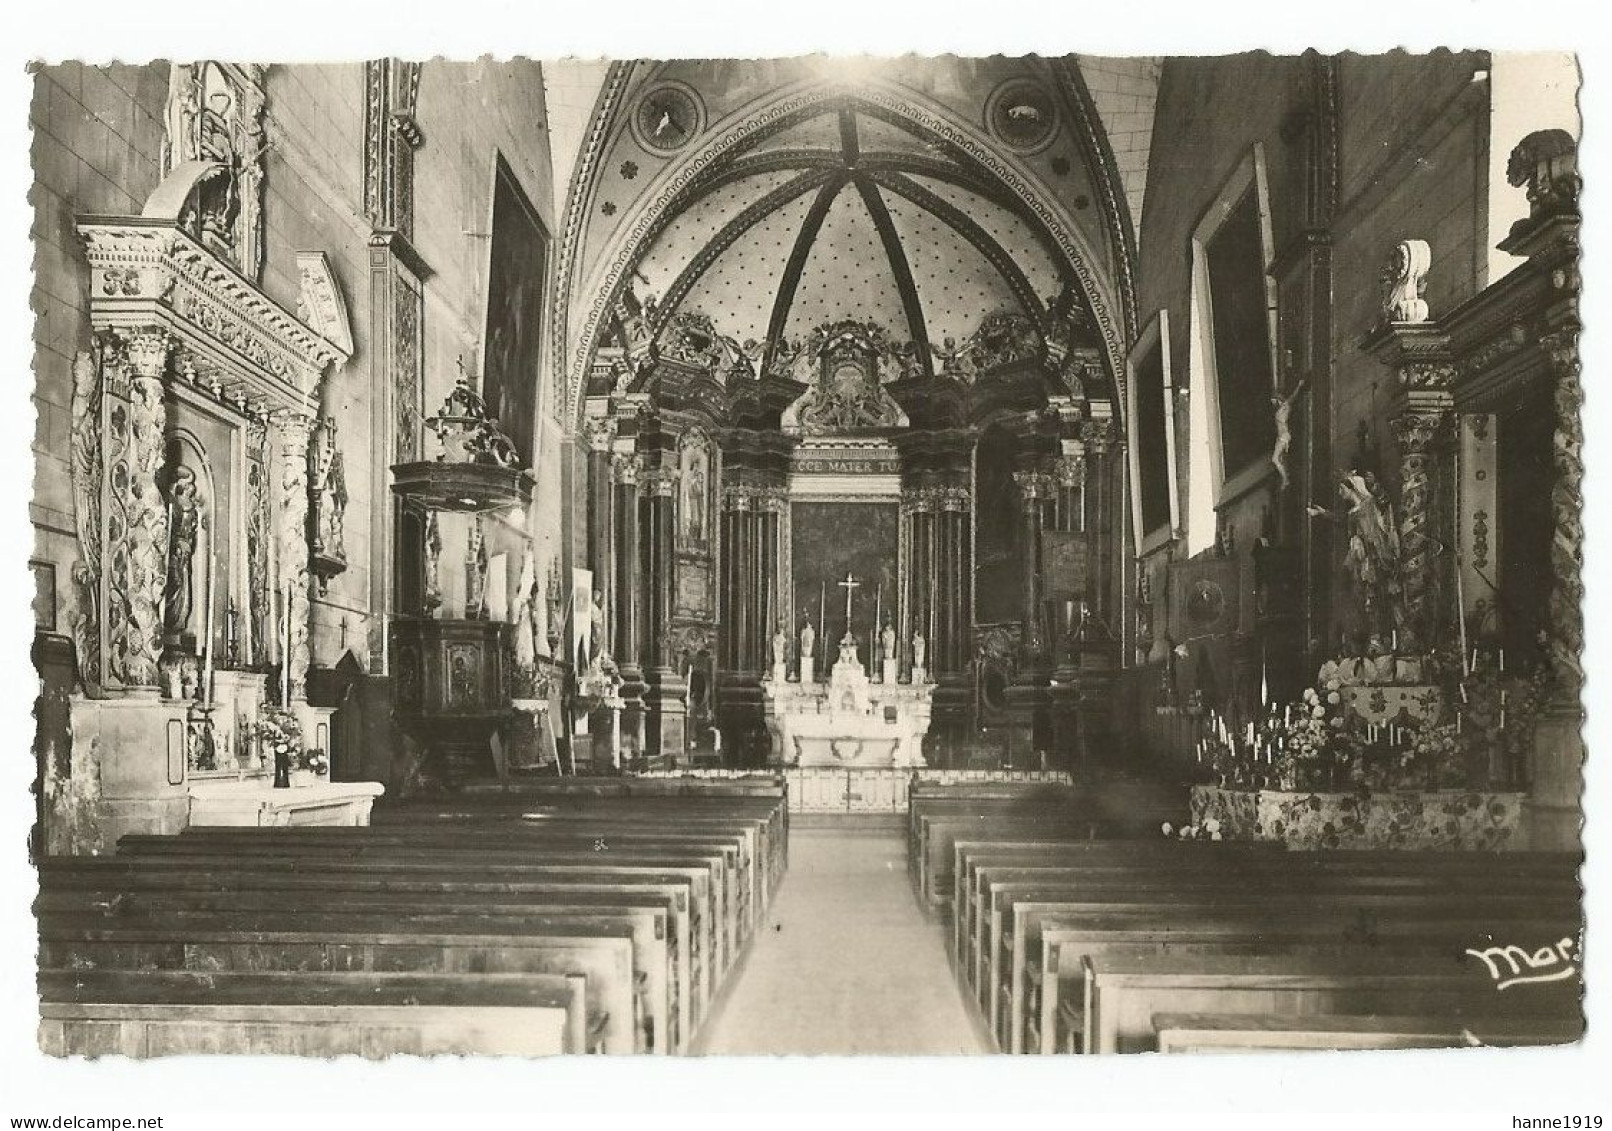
(849, 720)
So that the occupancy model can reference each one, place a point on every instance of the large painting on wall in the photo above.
(1240, 331)
(832, 539)
(518, 261)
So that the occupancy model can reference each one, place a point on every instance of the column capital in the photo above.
(661, 482)
(1033, 485)
(1098, 435)
(626, 467)
(599, 431)
(148, 350)
(1417, 432)
(1070, 470)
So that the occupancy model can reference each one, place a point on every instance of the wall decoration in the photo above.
(518, 263)
(668, 117)
(1204, 598)
(214, 118)
(1020, 113)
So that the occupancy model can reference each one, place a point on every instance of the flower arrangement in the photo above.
(1209, 830)
(279, 738)
(315, 760)
(1469, 727)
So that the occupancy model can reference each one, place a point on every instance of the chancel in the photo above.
(492, 520)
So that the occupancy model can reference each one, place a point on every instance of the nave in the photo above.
(847, 963)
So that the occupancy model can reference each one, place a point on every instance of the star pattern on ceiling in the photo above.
(849, 215)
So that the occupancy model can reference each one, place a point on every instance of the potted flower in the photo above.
(312, 768)
(280, 739)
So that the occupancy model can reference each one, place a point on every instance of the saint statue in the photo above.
(596, 632)
(808, 638)
(184, 515)
(696, 499)
(1373, 555)
(1283, 407)
(525, 593)
(919, 649)
(780, 647)
(887, 639)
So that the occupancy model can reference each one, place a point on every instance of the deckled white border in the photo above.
(1206, 1092)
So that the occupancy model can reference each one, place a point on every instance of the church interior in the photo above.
(1091, 545)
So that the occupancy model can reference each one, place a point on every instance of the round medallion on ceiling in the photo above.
(668, 117)
(1020, 113)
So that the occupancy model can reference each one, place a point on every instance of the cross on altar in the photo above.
(850, 585)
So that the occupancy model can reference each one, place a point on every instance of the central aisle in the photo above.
(846, 963)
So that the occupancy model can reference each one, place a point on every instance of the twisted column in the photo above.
(136, 552)
(1565, 639)
(294, 429)
(1418, 435)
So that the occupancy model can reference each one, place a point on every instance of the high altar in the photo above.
(849, 720)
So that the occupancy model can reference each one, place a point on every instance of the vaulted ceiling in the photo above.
(919, 194)
(848, 216)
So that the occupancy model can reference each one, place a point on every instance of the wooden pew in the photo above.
(599, 952)
(746, 887)
(1057, 991)
(1244, 1032)
(658, 966)
(118, 879)
(174, 1013)
(709, 925)
(1123, 994)
(1006, 979)
(1269, 877)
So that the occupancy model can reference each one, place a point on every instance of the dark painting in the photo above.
(1241, 337)
(831, 540)
(519, 259)
(1152, 420)
(999, 515)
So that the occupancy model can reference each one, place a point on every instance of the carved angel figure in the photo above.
(1372, 559)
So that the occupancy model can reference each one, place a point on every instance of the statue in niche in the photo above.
(920, 649)
(695, 483)
(1283, 408)
(887, 640)
(1372, 559)
(808, 639)
(432, 591)
(184, 519)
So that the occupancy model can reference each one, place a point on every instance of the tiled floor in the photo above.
(846, 963)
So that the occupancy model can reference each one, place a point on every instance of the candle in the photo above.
(1394, 641)
(1502, 661)
(1460, 607)
(285, 654)
(207, 644)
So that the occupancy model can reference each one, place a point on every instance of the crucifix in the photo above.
(850, 585)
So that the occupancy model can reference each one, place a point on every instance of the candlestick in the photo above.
(878, 617)
(285, 654)
(1460, 610)
(207, 644)
(822, 610)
